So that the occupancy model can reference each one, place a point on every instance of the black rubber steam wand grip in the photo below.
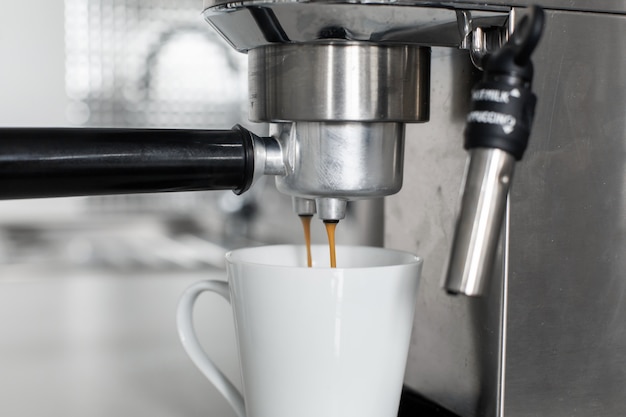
(61, 162)
(503, 104)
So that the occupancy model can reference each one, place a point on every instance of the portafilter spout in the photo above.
(496, 135)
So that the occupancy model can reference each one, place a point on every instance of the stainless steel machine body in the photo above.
(548, 335)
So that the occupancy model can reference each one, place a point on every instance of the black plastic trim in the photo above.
(413, 404)
(59, 162)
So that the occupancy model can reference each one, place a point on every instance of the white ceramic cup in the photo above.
(313, 342)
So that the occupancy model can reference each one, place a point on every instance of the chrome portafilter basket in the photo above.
(338, 110)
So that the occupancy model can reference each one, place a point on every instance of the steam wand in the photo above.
(496, 135)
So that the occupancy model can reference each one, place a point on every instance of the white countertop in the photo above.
(87, 342)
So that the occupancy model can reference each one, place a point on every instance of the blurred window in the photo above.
(150, 63)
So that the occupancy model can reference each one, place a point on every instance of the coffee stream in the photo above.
(306, 225)
(330, 230)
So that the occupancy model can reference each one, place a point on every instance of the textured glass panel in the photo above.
(151, 64)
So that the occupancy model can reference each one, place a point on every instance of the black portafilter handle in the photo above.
(496, 135)
(61, 162)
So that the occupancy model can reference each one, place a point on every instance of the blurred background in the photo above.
(88, 286)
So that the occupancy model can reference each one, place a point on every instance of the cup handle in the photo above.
(187, 334)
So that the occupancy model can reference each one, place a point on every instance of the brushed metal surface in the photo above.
(551, 341)
(566, 350)
(343, 160)
(607, 6)
(332, 91)
(455, 349)
(251, 24)
(339, 81)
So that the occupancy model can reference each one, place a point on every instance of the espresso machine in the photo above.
(521, 305)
